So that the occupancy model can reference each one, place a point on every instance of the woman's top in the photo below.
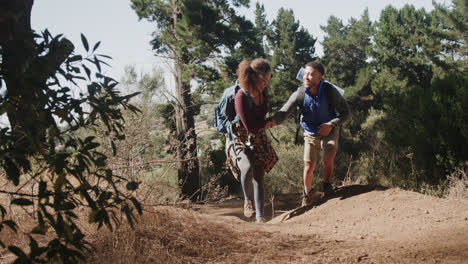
(252, 116)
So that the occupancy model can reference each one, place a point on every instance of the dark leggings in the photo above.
(252, 176)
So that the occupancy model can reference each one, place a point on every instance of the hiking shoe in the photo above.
(261, 220)
(327, 188)
(307, 198)
(248, 208)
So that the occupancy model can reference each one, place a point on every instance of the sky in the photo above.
(126, 39)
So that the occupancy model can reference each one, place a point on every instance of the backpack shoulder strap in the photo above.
(249, 98)
(328, 93)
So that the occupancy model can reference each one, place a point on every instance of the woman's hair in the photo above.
(246, 70)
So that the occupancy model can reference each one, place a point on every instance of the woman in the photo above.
(254, 153)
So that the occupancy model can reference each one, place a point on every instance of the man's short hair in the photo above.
(316, 65)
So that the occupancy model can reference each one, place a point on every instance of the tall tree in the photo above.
(262, 26)
(42, 150)
(190, 32)
(344, 48)
(453, 28)
(401, 45)
(417, 83)
(248, 44)
(292, 47)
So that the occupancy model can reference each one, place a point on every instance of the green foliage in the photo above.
(68, 171)
(401, 45)
(345, 49)
(292, 47)
(286, 176)
(192, 33)
(407, 127)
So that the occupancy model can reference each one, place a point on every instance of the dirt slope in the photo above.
(360, 224)
(356, 224)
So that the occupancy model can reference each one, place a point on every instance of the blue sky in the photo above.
(126, 39)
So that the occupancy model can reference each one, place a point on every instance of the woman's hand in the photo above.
(270, 123)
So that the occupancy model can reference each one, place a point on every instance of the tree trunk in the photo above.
(186, 149)
(188, 171)
(22, 68)
(17, 55)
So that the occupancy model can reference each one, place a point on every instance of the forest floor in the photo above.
(357, 224)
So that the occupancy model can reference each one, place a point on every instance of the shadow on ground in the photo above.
(342, 192)
(286, 206)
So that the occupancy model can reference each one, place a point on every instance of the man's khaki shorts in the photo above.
(314, 144)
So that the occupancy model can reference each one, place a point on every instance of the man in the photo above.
(323, 111)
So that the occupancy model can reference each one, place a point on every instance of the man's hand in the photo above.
(270, 123)
(325, 128)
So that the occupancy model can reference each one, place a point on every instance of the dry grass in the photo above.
(457, 187)
(171, 235)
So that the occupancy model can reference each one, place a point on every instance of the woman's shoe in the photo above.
(261, 220)
(249, 210)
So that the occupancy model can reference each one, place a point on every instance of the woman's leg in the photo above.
(259, 190)
(246, 175)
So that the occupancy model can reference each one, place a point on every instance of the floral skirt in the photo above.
(257, 145)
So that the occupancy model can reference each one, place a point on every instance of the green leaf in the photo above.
(13, 173)
(40, 229)
(85, 42)
(74, 58)
(96, 45)
(87, 70)
(128, 215)
(132, 185)
(137, 205)
(11, 224)
(59, 182)
(17, 251)
(92, 216)
(114, 149)
(22, 202)
(97, 62)
(3, 211)
(104, 56)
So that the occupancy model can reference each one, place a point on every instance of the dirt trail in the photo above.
(356, 224)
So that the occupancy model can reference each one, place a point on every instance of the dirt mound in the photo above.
(356, 224)
(359, 223)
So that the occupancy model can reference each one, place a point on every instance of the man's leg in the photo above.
(328, 162)
(311, 154)
(308, 174)
(329, 145)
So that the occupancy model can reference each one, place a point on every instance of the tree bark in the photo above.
(18, 53)
(186, 149)
(25, 73)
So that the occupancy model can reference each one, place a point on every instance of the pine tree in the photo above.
(292, 48)
(191, 33)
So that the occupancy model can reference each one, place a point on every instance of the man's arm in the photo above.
(341, 107)
(287, 109)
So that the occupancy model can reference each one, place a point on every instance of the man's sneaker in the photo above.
(327, 188)
(261, 220)
(307, 198)
(249, 210)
